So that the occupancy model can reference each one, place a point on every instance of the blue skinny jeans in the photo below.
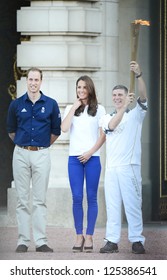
(90, 171)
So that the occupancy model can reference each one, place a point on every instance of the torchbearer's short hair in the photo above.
(121, 87)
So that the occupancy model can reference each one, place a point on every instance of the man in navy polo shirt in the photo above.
(33, 124)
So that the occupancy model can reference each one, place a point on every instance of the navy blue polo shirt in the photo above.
(33, 124)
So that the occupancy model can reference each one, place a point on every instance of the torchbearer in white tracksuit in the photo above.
(123, 182)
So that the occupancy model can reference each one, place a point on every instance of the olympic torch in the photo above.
(135, 28)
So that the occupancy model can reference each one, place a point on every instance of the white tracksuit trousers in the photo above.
(123, 184)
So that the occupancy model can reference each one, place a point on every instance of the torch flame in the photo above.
(142, 22)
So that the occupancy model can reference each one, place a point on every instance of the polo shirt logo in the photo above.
(23, 110)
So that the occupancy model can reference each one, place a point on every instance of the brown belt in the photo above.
(32, 148)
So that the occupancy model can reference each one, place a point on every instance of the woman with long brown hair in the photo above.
(82, 119)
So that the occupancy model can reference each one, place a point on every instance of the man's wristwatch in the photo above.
(139, 75)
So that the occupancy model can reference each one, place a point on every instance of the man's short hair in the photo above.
(121, 87)
(34, 69)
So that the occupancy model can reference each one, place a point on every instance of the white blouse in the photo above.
(84, 131)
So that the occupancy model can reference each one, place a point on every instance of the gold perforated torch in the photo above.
(135, 28)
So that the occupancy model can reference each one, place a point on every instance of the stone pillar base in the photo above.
(59, 205)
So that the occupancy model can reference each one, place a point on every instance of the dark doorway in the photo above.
(9, 38)
(158, 108)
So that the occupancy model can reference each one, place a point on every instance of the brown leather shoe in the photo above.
(21, 248)
(44, 248)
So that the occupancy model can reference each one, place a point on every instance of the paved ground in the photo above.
(62, 240)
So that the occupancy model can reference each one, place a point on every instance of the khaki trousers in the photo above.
(31, 167)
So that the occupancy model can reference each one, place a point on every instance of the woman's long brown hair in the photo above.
(92, 99)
